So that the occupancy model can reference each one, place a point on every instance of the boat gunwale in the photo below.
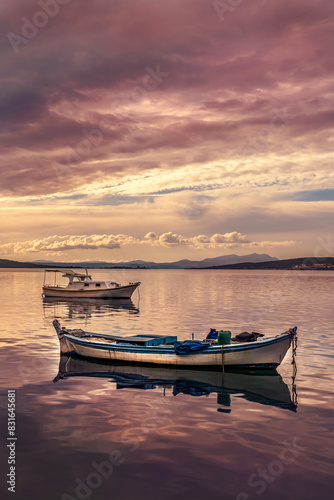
(169, 348)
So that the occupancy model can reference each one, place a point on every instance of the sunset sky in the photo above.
(161, 130)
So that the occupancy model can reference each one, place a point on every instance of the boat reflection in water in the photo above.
(86, 308)
(263, 387)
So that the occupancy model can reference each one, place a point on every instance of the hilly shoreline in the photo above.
(298, 263)
(232, 262)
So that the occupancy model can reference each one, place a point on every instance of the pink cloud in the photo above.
(225, 79)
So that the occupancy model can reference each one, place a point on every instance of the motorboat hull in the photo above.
(121, 292)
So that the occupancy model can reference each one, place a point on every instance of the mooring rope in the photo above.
(294, 374)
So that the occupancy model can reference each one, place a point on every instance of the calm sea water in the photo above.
(98, 431)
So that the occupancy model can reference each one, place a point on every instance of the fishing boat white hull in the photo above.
(267, 353)
(121, 292)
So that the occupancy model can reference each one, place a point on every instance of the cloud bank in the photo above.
(63, 244)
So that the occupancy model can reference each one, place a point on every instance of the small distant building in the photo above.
(313, 266)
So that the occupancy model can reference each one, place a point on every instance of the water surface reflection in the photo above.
(85, 308)
(183, 435)
(263, 387)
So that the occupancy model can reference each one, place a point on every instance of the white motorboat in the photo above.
(83, 286)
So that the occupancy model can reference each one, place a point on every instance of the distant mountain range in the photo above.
(252, 261)
(14, 264)
(180, 264)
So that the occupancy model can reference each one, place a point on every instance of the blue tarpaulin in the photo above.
(189, 346)
(212, 335)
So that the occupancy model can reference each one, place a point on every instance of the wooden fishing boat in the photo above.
(165, 350)
(83, 286)
(265, 387)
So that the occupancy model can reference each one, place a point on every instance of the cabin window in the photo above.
(97, 284)
(86, 284)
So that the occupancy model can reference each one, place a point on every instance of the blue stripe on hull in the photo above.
(170, 350)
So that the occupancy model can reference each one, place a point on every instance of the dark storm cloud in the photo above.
(225, 78)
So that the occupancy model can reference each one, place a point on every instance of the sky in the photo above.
(162, 130)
